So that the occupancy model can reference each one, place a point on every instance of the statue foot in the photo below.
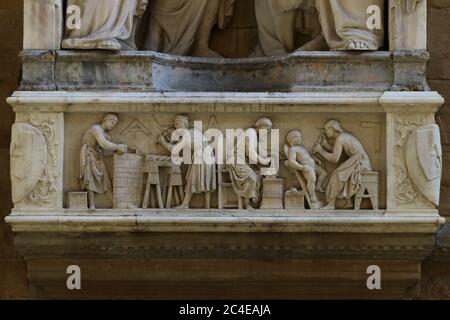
(317, 44)
(348, 204)
(111, 44)
(358, 45)
(182, 206)
(91, 209)
(205, 53)
(329, 206)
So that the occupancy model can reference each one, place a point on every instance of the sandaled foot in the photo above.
(358, 45)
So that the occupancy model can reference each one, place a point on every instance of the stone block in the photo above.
(76, 200)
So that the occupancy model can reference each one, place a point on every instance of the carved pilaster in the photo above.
(407, 25)
(403, 193)
(45, 190)
(43, 24)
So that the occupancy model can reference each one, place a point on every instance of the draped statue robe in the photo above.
(342, 21)
(176, 26)
(103, 24)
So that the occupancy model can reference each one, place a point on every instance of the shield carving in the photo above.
(423, 155)
(28, 154)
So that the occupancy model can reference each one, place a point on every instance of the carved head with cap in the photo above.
(264, 124)
(110, 121)
(181, 122)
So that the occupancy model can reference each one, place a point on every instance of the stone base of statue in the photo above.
(291, 251)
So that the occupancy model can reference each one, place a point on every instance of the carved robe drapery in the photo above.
(276, 26)
(346, 179)
(176, 26)
(344, 21)
(103, 24)
(93, 173)
(201, 175)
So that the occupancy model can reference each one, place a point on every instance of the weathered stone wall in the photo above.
(12, 268)
(13, 284)
(436, 273)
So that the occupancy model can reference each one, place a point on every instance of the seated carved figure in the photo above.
(299, 159)
(245, 180)
(183, 27)
(346, 179)
(104, 24)
(343, 23)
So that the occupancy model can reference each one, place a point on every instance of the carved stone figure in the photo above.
(423, 154)
(408, 24)
(246, 181)
(345, 181)
(344, 26)
(28, 153)
(301, 161)
(43, 24)
(201, 176)
(94, 176)
(183, 27)
(104, 24)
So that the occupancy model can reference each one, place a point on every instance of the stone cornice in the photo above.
(357, 102)
(231, 221)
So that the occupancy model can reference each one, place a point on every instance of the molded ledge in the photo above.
(217, 221)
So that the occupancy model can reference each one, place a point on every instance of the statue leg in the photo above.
(208, 200)
(186, 201)
(310, 176)
(91, 200)
(321, 176)
(201, 47)
(331, 205)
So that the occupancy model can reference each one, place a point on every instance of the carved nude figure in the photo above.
(346, 179)
(94, 176)
(343, 23)
(246, 182)
(183, 27)
(299, 159)
(104, 24)
(201, 176)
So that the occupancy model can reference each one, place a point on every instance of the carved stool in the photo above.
(294, 199)
(273, 192)
(175, 181)
(152, 171)
(370, 181)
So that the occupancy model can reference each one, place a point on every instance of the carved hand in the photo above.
(161, 140)
(318, 149)
(141, 7)
(264, 161)
(122, 148)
